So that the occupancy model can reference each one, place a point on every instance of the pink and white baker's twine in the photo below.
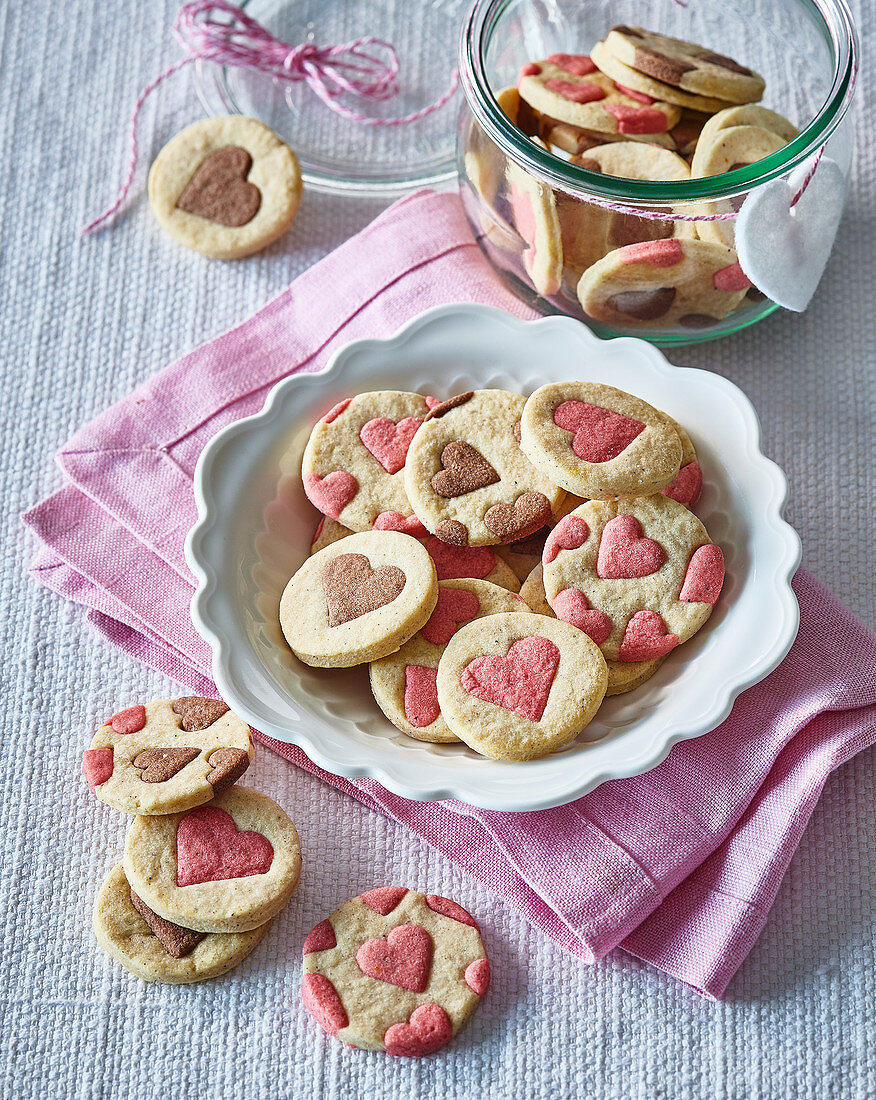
(366, 67)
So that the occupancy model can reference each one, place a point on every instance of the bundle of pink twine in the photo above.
(367, 67)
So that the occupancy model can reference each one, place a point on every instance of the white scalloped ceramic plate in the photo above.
(255, 526)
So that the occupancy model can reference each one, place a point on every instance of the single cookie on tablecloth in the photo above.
(226, 867)
(170, 755)
(225, 187)
(690, 283)
(353, 461)
(517, 686)
(534, 213)
(359, 599)
(632, 81)
(684, 65)
(395, 970)
(599, 442)
(157, 950)
(622, 677)
(639, 575)
(404, 683)
(467, 478)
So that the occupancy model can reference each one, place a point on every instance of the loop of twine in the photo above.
(367, 67)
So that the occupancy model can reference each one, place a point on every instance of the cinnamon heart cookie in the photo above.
(395, 970)
(467, 477)
(599, 442)
(225, 187)
(226, 867)
(691, 283)
(157, 950)
(622, 676)
(359, 599)
(639, 575)
(516, 687)
(353, 464)
(170, 755)
(405, 683)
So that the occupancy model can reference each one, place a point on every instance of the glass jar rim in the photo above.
(836, 24)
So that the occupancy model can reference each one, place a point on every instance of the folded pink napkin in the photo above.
(678, 866)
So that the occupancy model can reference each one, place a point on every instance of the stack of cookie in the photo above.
(640, 106)
(434, 512)
(207, 864)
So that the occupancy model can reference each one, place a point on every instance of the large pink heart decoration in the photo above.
(600, 434)
(331, 494)
(520, 681)
(428, 1029)
(624, 553)
(454, 606)
(572, 606)
(388, 441)
(209, 848)
(404, 958)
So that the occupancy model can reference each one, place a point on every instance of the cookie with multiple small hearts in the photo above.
(166, 756)
(225, 187)
(638, 575)
(359, 599)
(405, 683)
(691, 283)
(599, 442)
(226, 867)
(467, 477)
(157, 950)
(517, 687)
(395, 970)
(353, 463)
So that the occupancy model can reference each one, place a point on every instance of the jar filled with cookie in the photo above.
(676, 181)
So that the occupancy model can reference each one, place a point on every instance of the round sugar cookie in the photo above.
(395, 970)
(358, 599)
(353, 462)
(577, 140)
(688, 483)
(517, 686)
(690, 283)
(570, 88)
(750, 114)
(599, 442)
(157, 950)
(625, 76)
(684, 65)
(226, 867)
(170, 755)
(639, 575)
(534, 213)
(467, 478)
(404, 683)
(622, 677)
(225, 187)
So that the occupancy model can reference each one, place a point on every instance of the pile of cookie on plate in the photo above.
(642, 106)
(502, 563)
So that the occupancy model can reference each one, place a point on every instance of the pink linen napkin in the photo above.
(678, 866)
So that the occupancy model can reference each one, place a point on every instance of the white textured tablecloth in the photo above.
(83, 322)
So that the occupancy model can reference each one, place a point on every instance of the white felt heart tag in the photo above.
(782, 250)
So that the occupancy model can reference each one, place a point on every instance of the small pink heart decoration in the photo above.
(384, 899)
(404, 958)
(572, 606)
(428, 1029)
(687, 486)
(646, 638)
(209, 848)
(624, 553)
(320, 938)
(455, 562)
(454, 606)
(704, 577)
(421, 695)
(477, 976)
(599, 434)
(520, 681)
(331, 494)
(322, 1001)
(395, 521)
(388, 442)
(569, 534)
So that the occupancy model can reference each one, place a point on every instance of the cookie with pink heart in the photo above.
(404, 684)
(639, 575)
(225, 867)
(517, 687)
(599, 442)
(395, 970)
(352, 469)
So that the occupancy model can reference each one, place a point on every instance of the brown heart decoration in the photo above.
(228, 766)
(352, 588)
(175, 940)
(513, 521)
(198, 713)
(159, 765)
(465, 469)
(453, 532)
(220, 192)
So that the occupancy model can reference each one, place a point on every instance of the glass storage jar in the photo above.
(530, 208)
